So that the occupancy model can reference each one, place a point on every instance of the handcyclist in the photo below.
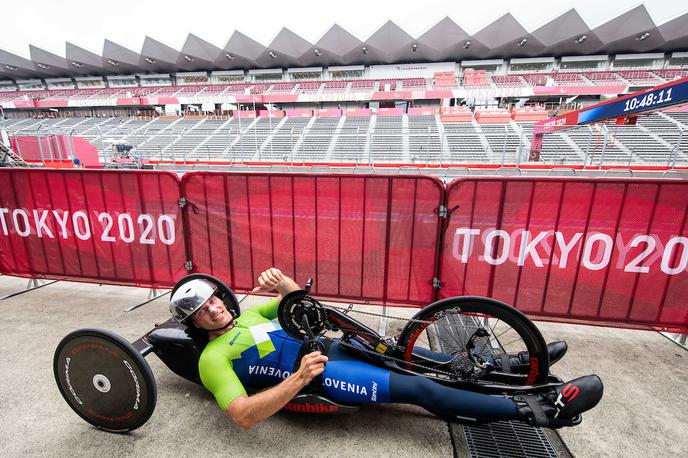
(252, 350)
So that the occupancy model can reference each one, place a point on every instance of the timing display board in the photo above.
(659, 97)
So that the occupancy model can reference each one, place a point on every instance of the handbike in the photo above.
(465, 342)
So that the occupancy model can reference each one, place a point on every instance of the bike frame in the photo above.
(376, 348)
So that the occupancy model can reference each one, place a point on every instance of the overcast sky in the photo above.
(48, 24)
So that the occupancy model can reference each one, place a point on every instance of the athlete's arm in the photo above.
(219, 378)
(269, 280)
(247, 411)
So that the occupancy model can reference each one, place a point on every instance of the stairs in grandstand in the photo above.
(9, 158)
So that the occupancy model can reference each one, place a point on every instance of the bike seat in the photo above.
(178, 348)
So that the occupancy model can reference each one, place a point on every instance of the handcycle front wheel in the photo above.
(473, 339)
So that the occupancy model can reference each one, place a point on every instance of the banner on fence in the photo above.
(607, 251)
(360, 237)
(119, 227)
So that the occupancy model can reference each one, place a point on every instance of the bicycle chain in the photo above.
(348, 309)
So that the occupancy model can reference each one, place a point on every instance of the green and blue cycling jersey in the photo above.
(256, 353)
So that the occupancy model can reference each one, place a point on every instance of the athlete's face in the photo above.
(212, 315)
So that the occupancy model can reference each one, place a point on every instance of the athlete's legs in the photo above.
(347, 379)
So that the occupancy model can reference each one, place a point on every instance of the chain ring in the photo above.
(294, 307)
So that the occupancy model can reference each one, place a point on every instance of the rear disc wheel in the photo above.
(105, 380)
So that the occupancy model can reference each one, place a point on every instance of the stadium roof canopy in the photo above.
(631, 32)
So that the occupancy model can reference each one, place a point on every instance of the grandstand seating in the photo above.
(603, 78)
(362, 84)
(335, 86)
(470, 81)
(640, 77)
(509, 81)
(308, 87)
(351, 141)
(425, 142)
(413, 83)
(280, 145)
(536, 79)
(281, 88)
(568, 79)
(387, 142)
(387, 85)
(465, 145)
(671, 74)
(316, 139)
(359, 138)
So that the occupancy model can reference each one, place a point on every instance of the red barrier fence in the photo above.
(359, 237)
(118, 227)
(606, 251)
(52, 148)
(595, 250)
(55, 148)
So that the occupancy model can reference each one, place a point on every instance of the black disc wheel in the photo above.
(105, 380)
(474, 340)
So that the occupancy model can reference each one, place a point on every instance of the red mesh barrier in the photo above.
(359, 237)
(601, 251)
(117, 227)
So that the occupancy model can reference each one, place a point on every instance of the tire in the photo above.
(105, 380)
(447, 325)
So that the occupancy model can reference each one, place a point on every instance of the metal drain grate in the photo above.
(507, 439)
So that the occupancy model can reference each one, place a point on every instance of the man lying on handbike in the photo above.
(252, 350)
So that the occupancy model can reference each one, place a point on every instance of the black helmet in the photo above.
(192, 291)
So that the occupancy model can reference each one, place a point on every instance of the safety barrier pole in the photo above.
(40, 146)
(18, 143)
(72, 150)
(179, 139)
(675, 149)
(100, 141)
(604, 145)
(587, 148)
(58, 139)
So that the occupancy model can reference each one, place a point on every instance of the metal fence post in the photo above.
(70, 143)
(57, 144)
(231, 148)
(506, 135)
(180, 138)
(604, 145)
(241, 142)
(40, 146)
(674, 152)
(291, 146)
(587, 148)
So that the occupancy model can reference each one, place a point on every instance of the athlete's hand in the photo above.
(269, 280)
(312, 365)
